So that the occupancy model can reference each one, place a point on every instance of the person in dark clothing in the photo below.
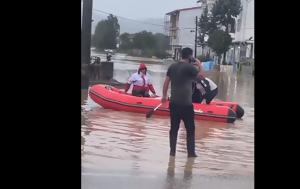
(181, 75)
(204, 88)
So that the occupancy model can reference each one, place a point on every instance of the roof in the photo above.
(178, 10)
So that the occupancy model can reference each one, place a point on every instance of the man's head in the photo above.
(186, 53)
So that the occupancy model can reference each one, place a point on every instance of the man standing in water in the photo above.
(181, 75)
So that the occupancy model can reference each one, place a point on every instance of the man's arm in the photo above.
(200, 68)
(165, 89)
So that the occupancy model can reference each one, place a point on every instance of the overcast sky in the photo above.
(141, 9)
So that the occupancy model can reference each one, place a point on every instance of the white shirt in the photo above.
(211, 84)
(136, 79)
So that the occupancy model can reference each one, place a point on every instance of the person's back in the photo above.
(181, 76)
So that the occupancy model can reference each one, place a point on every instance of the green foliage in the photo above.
(106, 33)
(204, 26)
(219, 41)
(125, 42)
(204, 58)
(143, 40)
(224, 12)
(150, 44)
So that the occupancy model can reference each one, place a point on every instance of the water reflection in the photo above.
(188, 169)
(183, 180)
(171, 167)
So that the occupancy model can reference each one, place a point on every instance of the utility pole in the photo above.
(86, 41)
(196, 30)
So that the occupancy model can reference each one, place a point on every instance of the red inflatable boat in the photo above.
(239, 111)
(113, 98)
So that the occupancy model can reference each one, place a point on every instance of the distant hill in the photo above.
(132, 26)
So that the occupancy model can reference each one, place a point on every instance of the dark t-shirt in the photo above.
(182, 76)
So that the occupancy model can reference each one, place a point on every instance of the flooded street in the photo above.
(126, 150)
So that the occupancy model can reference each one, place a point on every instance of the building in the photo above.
(243, 36)
(180, 27)
(243, 47)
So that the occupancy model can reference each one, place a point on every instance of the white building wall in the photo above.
(245, 21)
(186, 23)
(244, 30)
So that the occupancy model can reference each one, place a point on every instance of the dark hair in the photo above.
(186, 52)
(139, 70)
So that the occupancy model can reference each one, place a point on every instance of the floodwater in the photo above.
(126, 150)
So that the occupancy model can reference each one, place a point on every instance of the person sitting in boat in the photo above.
(141, 83)
(206, 89)
(203, 87)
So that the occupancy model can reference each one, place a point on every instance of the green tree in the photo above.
(150, 44)
(125, 42)
(219, 41)
(106, 33)
(143, 40)
(162, 44)
(204, 28)
(223, 14)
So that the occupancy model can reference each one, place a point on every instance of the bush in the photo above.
(149, 53)
(204, 58)
(161, 54)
